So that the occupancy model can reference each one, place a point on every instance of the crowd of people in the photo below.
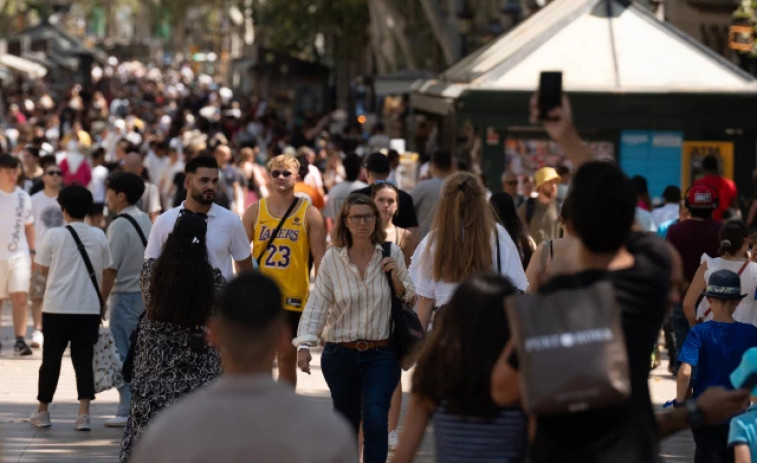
(194, 221)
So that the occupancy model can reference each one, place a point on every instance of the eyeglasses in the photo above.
(356, 219)
(54, 172)
(283, 173)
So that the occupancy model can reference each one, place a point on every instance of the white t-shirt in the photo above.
(47, 214)
(441, 291)
(15, 215)
(226, 238)
(97, 184)
(746, 311)
(69, 289)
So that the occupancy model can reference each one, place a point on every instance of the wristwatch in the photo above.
(696, 417)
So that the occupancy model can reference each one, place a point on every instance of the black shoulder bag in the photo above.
(407, 333)
(278, 228)
(136, 227)
(88, 264)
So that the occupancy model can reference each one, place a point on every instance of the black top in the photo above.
(405, 217)
(625, 433)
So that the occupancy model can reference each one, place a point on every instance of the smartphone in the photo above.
(550, 93)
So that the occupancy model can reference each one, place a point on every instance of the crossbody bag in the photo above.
(89, 266)
(136, 227)
(278, 228)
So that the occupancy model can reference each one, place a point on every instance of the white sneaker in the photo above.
(82, 423)
(37, 339)
(40, 419)
(393, 439)
(117, 422)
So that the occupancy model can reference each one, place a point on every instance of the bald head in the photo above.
(133, 163)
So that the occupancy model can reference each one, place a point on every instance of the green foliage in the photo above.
(746, 14)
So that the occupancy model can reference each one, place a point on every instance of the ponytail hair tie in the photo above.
(726, 243)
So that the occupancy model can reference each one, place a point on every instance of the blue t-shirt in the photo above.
(715, 349)
(744, 431)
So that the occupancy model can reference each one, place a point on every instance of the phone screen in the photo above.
(550, 92)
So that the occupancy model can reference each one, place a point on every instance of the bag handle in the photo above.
(89, 266)
(136, 227)
(386, 251)
(278, 228)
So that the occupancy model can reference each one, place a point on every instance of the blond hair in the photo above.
(342, 236)
(461, 231)
(283, 160)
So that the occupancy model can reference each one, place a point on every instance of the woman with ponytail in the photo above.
(464, 239)
(734, 244)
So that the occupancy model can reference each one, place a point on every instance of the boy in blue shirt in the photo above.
(742, 437)
(715, 348)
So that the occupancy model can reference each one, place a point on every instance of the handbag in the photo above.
(571, 349)
(407, 333)
(106, 362)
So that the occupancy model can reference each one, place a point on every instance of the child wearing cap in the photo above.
(742, 437)
(715, 349)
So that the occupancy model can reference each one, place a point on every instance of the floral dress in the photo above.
(165, 367)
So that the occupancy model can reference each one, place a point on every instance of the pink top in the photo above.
(82, 176)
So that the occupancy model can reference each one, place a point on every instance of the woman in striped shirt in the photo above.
(451, 382)
(350, 310)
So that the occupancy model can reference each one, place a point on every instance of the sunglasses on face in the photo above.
(54, 172)
(283, 173)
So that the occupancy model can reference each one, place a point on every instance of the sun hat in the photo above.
(724, 284)
(544, 175)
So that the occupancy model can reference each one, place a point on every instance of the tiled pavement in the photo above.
(20, 442)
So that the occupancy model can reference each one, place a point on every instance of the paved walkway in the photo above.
(21, 442)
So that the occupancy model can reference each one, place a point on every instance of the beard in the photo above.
(205, 198)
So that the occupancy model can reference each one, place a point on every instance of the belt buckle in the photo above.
(362, 348)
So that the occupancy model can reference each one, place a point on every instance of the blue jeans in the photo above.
(125, 309)
(363, 381)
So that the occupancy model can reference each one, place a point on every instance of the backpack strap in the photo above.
(89, 266)
(136, 227)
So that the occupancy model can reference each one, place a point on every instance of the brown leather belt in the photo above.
(362, 346)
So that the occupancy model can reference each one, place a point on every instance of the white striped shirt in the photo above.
(343, 307)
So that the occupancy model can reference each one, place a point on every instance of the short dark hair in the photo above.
(47, 160)
(76, 200)
(604, 202)
(671, 194)
(9, 162)
(98, 153)
(128, 183)
(442, 159)
(200, 161)
(304, 166)
(33, 150)
(352, 163)
(234, 305)
(710, 163)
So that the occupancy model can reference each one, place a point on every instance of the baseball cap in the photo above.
(702, 196)
(544, 175)
(378, 163)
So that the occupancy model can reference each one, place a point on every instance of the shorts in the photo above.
(37, 286)
(15, 274)
(293, 320)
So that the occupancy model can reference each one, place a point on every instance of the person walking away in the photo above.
(72, 308)
(715, 349)
(504, 208)
(426, 194)
(227, 238)
(668, 211)
(47, 214)
(171, 357)
(725, 187)
(386, 197)
(451, 383)
(126, 234)
(300, 232)
(149, 203)
(17, 251)
(304, 189)
(350, 310)
(540, 214)
(464, 239)
(213, 423)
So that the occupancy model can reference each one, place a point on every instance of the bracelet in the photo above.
(303, 347)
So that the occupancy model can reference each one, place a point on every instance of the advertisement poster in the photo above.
(695, 151)
(523, 156)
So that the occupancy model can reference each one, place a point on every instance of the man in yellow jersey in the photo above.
(285, 257)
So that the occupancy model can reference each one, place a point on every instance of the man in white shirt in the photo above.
(669, 210)
(426, 193)
(214, 423)
(127, 232)
(16, 247)
(47, 214)
(226, 237)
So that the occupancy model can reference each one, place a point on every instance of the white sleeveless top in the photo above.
(746, 312)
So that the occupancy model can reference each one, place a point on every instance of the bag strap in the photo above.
(88, 264)
(499, 263)
(278, 228)
(386, 251)
(136, 227)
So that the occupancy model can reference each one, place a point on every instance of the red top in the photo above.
(82, 176)
(726, 192)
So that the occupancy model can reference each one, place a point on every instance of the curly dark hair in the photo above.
(182, 286)
(456, 365)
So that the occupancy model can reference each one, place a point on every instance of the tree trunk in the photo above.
(445, 33)
(400, 33)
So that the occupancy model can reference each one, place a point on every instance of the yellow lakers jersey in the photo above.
(286, 259)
